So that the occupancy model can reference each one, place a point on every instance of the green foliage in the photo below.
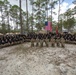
(36, 19)
(67, 19)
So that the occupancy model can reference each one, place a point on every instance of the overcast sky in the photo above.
(64, 6)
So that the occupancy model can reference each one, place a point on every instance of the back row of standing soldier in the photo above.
(66, 36)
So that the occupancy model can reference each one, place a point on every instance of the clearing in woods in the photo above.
(25, 60)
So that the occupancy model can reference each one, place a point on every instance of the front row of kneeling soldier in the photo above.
(40, 42)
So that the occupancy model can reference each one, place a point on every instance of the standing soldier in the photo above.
(41, 40)
(52, 42)
(58, 41)
(46, 41)
(62, 42)
(37, 41)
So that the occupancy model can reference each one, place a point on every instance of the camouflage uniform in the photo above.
(58, 42)
(46, 41)
(41, 42)
(62, 42)
(37, 42)
(52, 42)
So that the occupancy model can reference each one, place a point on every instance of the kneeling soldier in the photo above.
(62, 42)
(32, 42)
(52, 42)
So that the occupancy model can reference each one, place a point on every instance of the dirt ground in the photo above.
(25, 60)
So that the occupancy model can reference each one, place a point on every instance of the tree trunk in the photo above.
(8, 22)
(59, 12)
(27, 16)
(51, 11)
(39, 17)
(47, 9)
(21, 17)
(32, 16)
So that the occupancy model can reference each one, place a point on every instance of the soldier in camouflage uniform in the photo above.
(52, 42)
(37, 41)
(58, 41)
(41, 40)
(46, 40)
(62, 42)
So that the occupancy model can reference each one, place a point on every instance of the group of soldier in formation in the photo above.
(52, 38)
(37, 39)
(54, 42)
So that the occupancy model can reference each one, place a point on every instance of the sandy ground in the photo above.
(25, 60)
